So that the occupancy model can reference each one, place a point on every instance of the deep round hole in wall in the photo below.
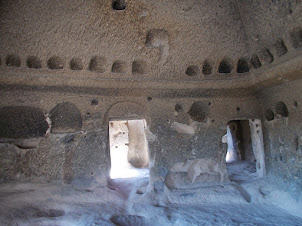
(94, 102)
(242, 66)
(13, 60)
(199, 111)
(55, 62)
(178, 108)
(210, 104)
(88, 113)
(139, 67)
(119, 5)
(149, 99)
(97, 64)
(33, 62)
(119, 67)
(238, 109)
(207, 68)
(212, 120)
(281, 109)
(295, 104)
(192, 70)
(225, 67)
(76, 64)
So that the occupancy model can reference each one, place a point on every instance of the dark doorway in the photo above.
(245, 154)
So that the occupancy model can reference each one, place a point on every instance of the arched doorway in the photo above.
(129, 154)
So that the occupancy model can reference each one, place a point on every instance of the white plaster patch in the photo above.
(183, 128)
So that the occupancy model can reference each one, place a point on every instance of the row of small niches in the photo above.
(244, 64)
(97, 64)
(263, 57)
(139, 67)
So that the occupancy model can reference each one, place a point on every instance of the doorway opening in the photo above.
(129, 154)
(245, 152)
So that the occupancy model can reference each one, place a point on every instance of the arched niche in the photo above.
(126, 110)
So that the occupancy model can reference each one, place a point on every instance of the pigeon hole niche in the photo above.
(245, 150)
(129, 155)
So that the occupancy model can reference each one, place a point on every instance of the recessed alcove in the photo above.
(280, 48)
(281, 110)
(55, 63)
(296, 37)
(266, 57)
(97, 64)
(33, 62)
(119, 5)
(119, 67)
(192, 70)
(13, 60)
(255, 61)
(225, 67)
(207, 68)
(76, 64)
(242, 66)
(269, 115)
(139, 67)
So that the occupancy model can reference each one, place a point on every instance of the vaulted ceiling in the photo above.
(154, 44)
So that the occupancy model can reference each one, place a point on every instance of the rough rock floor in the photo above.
(32, 204)
(242, 171)
(246, 200)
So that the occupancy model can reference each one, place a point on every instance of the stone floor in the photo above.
(242, 171)
(33, 204)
